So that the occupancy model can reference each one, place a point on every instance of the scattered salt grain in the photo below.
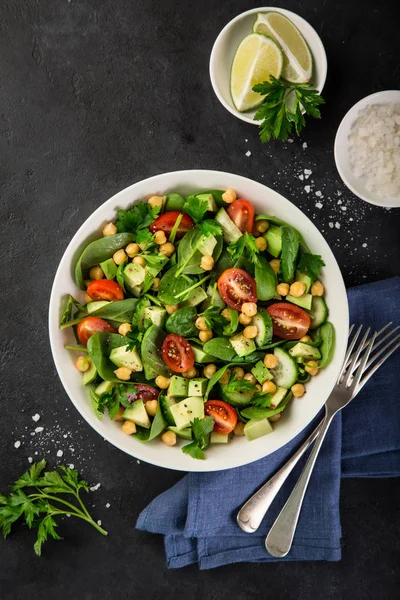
(318, 193)
(290, 141)
(94, 488)
(17, 444)
(36, 418)
(343, 208)
(108, 505)
(304, 145)
(99, 523)
(307, 189)
(307, 173)
(248, 153)
(337, 225)
(301, 176)
(30, 459)
(364, 245)
(138, 462)
(318, 205)
(60, 453)
(71, 466)
(39, 429)
(331, 225)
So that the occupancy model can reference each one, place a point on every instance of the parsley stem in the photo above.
(61, 501)
(77, 348)
(192, 287)
(80, 516)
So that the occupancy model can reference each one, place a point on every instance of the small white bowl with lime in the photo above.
(262, 42)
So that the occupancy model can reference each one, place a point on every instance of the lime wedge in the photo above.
(297, 59)
(256, 59)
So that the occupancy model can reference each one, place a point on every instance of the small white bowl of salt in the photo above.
(367, 149)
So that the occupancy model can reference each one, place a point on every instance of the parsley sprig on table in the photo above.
(35, 499)
(282, 107)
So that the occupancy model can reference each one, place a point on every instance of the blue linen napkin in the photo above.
(197, 515)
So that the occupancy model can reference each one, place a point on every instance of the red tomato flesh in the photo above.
(166, 222)
(177, 353)
(242, 214)
(289, 322)
(236, 287)
(104, 289)
(92, 325)
(144, 392)
(225, 417)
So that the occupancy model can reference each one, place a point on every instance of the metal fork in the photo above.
(253, 511)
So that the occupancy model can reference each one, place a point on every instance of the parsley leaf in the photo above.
(195, 208)
(282, 107)
(135, 339)
(210, 227)
(261, 399)
(194, 451)
(244, 246)
(239, 385)
(201, 428)
(212, 317)
(139, 216)
(311, 264)
(144, 236)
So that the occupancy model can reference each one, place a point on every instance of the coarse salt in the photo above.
(36, 417)
(39, 429)
(307, 189)
(60, 453)
(17, 444)
(318, 205)
(248, 153)
(94, 488)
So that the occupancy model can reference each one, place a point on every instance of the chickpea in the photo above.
(82, 363)
(88, 299)
(139, 260)
(244, 320)
(205, 336)
(225, 377)
(132, 250)
(250, 377)
(297, 289)
(109, 229)
(119, 256)
(96, 273)
(118, 415)
(201, 324)
(207, 263)
(226, 313)
(270, 361)
(155, 201)
(238, 373)
(167, 249)
(160, 238)
(229, 196)
(258, 387)
(312, 367)
(162, 382)
(250, 332)
(128, 428)
(239, 429)
(124, 328)
(123, 373)
(169, 438)
(298, 390)
(261, 243)
(275, 418)
(255, 233)
(269, 387)
(151, 407)
(209, 370)
(305, 339)
(317, 289)
(275, 264)
(262, 225)
(249, 309)
(171, 308)
(156, 284)
(190, 373)
(282, 289)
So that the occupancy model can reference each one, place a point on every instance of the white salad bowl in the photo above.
(342, 155)
(228, 40)
(298, 413)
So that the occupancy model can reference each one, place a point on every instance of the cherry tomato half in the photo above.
(225, 417)
(242, 214)
(166, 222)
(144, 392)
(289, 322)
(236, 287)
(104, 289)
(177, 353)
(92, 325)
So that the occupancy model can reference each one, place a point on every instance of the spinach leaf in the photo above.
(221, 348)
(67, 313)
(151, 353)
(183, 322)
(279, 222)
(120, 310)
(172, 285)
(265, 279)
(245, 264)
(155, 263)
(99, 347)
(224, 262)
(273, 345)
(327, 335)
(95, 403)
(120, 274)
(157, 427)
(189, 256)
(215, 378)
(231, 327)
(97, 252)
(250, 358)
(253, 412)
(290, 249)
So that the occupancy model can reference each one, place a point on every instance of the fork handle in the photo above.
(280, 537)
(251, 514)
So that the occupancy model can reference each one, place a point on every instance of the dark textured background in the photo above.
(93, 97)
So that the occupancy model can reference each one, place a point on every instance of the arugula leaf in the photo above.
(140, 215)
(311, 264)
(210, 227)
(244, 246)
(195, 208)
(282, 107)
(213, 317)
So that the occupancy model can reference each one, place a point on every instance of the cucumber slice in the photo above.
(237, 398)
(165, 404)
(318, 312)
(230, 231)
(286, 372)
(263, 322)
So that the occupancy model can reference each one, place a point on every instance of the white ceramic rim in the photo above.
(163, 182)
(322, 62)
(347, 122)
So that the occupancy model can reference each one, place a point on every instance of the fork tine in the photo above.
(349, 349)
(378, 343)
(376, 367)
(349, 373)
(361, 369)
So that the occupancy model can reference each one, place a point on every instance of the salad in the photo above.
(200, 319)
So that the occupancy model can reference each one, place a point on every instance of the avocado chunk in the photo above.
(196, 297)
(200, 356)
(173, 201)
(304, 301)
(156, 314)
(185, 433)
(197, 386)
(274, 240)
(219, 438)
(137, 413)
(134, 275)
(242, 345)
(303, 350)
(104, 386)
(186, 410)
(90, 375)
(261, 372)
(256, 428)
(179, 386)
(278, 396)
(209, 198)
(121, 357)
(303, 278)
(109, 268)
(230, 231)
(93, 306)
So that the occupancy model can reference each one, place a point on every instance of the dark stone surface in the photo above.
(98, 95)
